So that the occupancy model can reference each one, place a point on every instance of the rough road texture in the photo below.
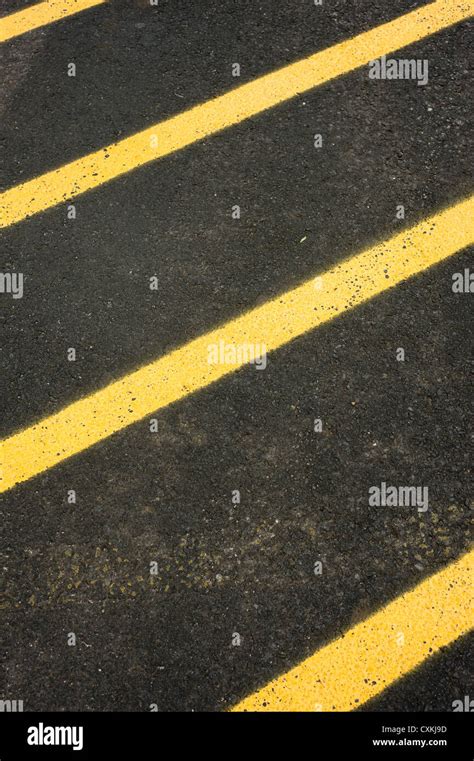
(224, 568)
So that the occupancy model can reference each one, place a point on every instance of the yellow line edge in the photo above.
(95, 169)
(41, 14)
(187, 369)
(371, 656)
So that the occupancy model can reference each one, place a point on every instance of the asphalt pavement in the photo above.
(226, 568)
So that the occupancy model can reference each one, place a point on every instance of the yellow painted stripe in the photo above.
(359, 665)
(275, 323)
(164, 138)
(41, 14)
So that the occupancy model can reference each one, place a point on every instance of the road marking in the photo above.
(276, 322)
(359, 665)
(164, 138)
(41, 14)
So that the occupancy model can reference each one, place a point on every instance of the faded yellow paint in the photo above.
(164, 138)
(280, 320)
(41, 14)
(365, 660)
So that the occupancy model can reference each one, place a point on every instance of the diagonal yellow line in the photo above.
(275, 323)
(164, 138)
(365, 660)
(41, 14)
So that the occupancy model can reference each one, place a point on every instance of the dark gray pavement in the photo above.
(223, 569)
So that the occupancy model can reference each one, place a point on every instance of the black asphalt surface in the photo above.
(248, 568)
